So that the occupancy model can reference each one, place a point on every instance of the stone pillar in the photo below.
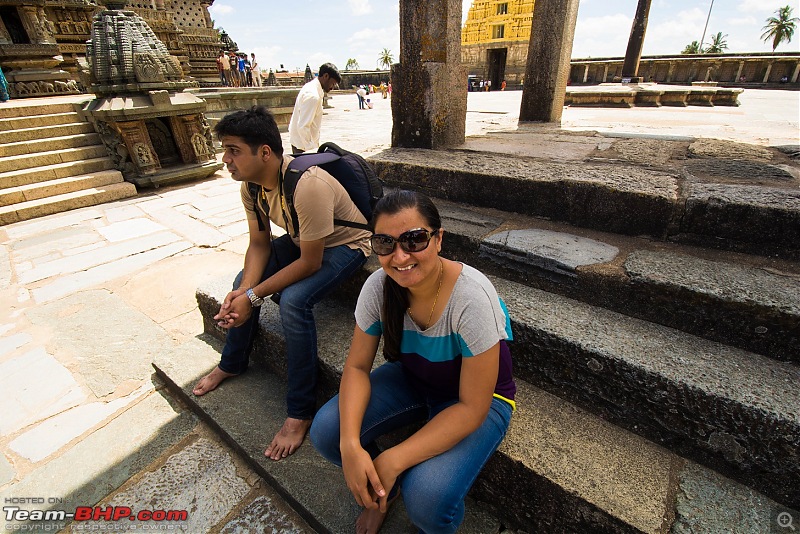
(630, 67)
(766, 74)
(585, 73)
(670, 72)
(739, 72)
(549, 51)
(796, 73)
(605, 73)
(429, 84)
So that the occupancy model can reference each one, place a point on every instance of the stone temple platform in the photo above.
(652, 94)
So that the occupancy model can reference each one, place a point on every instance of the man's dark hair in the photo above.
(331, 70)
(256, 126)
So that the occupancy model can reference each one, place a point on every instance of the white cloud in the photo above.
(605, 36)
(359, 7)
(756, 7)
(221, 9)
(366, 44)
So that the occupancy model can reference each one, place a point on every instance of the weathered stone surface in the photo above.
(103, 459)
(552, 251)
(707, 502)
(660, 382)
(201, 479)
(749, 306)
(628, 200)
(720, 148)
(27, 375)
(264, 513)
(119, 347)
(7, 472)
(49, 436)
(650, 152)
(766, 219)
(737, 171)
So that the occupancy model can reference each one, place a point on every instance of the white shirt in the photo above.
(307, 117)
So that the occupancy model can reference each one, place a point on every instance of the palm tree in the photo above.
(352, 64)
(692, 48)
(780, 28)
(718, 44)
(385, 58)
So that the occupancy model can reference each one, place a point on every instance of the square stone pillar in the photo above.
(549, 52)
(429, 85)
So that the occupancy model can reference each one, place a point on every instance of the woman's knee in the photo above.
(432, 512)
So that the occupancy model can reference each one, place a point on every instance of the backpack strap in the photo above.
(300, 164)
(255, 191)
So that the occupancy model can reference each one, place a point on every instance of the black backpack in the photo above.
(349, 169)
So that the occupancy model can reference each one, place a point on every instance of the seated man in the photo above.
(302, 269)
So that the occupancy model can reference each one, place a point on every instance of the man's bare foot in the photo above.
(288, 439)
(211, 381)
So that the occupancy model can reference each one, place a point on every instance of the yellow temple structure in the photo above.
(494, 40)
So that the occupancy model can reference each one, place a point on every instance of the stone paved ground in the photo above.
(89, 297)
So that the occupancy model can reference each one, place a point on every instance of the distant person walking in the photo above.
(307, 115)
(362, 96)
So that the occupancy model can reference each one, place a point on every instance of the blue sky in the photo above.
(315, 31)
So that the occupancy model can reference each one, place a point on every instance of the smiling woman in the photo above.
(445, 334)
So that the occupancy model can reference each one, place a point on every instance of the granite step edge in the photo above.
(747, 301)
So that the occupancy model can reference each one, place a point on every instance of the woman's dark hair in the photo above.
(395, 297)
(256, 126)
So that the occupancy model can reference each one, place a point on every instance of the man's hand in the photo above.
(235, 309)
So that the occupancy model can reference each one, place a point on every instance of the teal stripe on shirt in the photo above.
(434, 349)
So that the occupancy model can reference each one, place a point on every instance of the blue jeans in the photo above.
(434, 490)
(297, 318)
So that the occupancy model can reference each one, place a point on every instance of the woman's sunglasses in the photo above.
(412, 241)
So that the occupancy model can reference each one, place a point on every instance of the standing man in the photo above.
(223, 67)
(307, 115)
(256, 70)
(302, 269)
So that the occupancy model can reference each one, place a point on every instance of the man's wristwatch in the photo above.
(255, 300)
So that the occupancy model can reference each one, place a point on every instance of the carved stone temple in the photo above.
(154, 131)
(43, 42)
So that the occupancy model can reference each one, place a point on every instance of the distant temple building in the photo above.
(494, 40)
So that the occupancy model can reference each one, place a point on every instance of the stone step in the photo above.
(45, 132)
(41, 107)
(23, 122)
(582, 473)
(54, 157)
(751, 302)
(742, 204)
(51, 144)
(25, 193)
(55, 171)
(64, 202)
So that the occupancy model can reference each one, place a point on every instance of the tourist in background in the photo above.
(256, 70)
(224, 67)
(444, 332)
(306, 118)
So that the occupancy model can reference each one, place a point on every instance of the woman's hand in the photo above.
(362, 478)
(387, 474)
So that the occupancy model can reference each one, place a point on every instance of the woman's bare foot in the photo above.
(211, 381)
(288, 439)
(370, 520)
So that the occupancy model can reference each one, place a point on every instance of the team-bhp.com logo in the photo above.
(89, 513)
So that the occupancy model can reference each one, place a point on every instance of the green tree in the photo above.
(692, 48)
(780, 28)
(352, 64)
(718, 44)
(385, 58)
